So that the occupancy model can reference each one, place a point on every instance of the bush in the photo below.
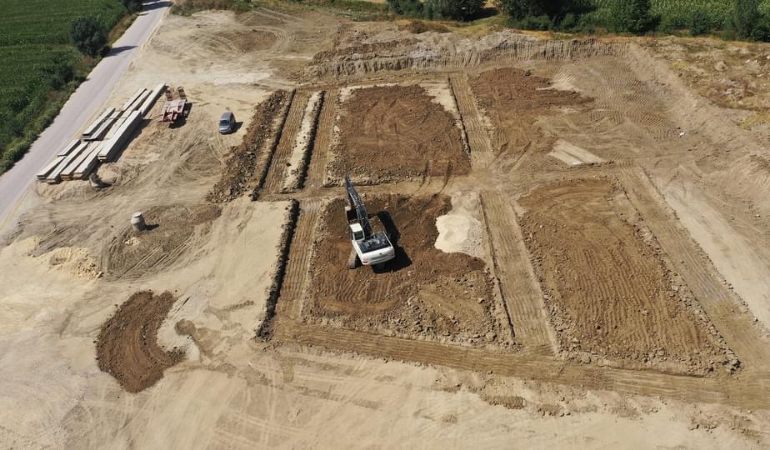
(761, 31)
(452, 9)
(670, 24)
(746, 17)
(537, 23)
(60, 71)
(411, 8)
(132, 6)
(632, 16)
(519, 9)
(699, 22)
(570, 22)
(89, 35)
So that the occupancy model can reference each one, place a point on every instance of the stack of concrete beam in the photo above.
(54, 164)
(97, 130)
(43, 174)
(150, 100)
(68, 173)
(55, 175)
(137, 106)
(130, 104)
(69, 147)
(89, 163)
(112, 146)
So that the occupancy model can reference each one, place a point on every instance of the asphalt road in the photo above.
(87, 100)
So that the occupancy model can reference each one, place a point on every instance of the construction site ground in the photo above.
(582, 233)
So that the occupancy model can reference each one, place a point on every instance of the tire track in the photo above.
(478, 140)
(286, 144)
(723, 308)
(297, 271)
(522, 296)
(323, 141)
(746, 391)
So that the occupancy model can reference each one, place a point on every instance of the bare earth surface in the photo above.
(582, 227)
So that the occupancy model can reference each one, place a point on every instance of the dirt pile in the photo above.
(127, 347)
(423, 293)
(360, 50)
(432, 51)
(171, 230)
(608, 288)
(392, 133)
(239, 172)
(512, 99)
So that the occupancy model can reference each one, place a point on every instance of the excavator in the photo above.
(369, 248)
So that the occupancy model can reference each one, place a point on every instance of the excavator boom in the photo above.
(357, 205)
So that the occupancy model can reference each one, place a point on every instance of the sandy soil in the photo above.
(666, 213)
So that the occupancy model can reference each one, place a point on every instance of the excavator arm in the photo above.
(357, 205)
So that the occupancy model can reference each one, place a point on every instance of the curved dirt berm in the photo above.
(127, 346)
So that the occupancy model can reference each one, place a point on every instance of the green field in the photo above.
(37, 64)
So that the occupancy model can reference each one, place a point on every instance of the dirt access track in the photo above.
(582, 241)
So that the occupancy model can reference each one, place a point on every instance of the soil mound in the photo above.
(127, 347)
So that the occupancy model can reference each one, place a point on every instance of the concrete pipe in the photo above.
(137, 222)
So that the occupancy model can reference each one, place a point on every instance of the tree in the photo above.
(89, 35)
(556, 10)
(411, 8)
(633, 16)
(519, 9)
(746, 17)
(699, 21)
(453, 9)
(132, 6)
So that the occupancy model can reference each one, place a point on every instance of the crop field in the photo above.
(48, 22)
(36, 59)
(677, 11)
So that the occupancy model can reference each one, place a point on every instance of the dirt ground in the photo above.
(423, 293)
(582, 227)
(513, 99)
(392, 133)
(171, 228)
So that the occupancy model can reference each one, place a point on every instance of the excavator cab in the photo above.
(357, 232)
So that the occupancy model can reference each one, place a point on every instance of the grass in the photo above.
(39, 69)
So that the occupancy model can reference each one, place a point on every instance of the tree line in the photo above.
(743, 19)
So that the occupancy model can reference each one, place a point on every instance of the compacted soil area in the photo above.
(609, 292)
(390, 133)
(423, 292)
